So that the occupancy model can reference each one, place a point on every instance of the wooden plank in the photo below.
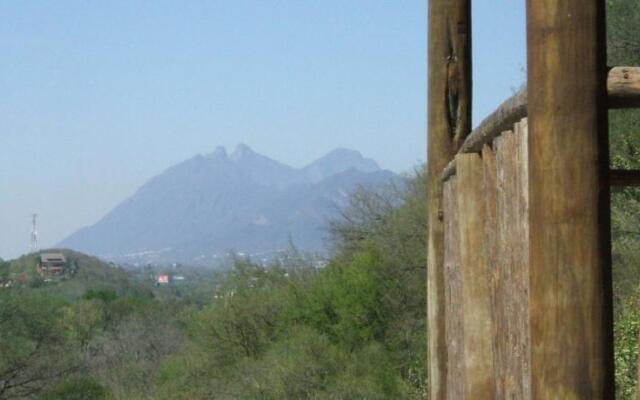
(507, 245)
(476, 294)
(623, 87)
(490, 245)
(449, 119)
(455, 379)
(570, 254)
(501, 315)
(507, 242)
(521, 258)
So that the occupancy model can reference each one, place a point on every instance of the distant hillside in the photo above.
(81, 272)
(197, 210)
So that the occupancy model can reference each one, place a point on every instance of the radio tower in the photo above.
(34, 234)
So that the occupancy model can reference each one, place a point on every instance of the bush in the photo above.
(104, 295)
(78, 389)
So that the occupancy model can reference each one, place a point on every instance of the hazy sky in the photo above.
(98, 96)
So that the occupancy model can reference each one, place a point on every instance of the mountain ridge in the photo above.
(210, 204)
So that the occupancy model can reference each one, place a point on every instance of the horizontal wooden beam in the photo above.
(620, 177)
(449, 171)
(617, 177)
(502, 119)
(623, 85)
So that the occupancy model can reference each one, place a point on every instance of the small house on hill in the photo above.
(51, 263)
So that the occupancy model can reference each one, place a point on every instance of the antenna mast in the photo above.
(33, 247)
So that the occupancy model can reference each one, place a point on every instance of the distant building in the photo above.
(164, 279)
(52, 263)
(22, 279)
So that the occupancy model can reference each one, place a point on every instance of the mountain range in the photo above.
(200, 209)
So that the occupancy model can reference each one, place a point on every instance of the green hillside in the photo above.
(81, 273)
(87, 331)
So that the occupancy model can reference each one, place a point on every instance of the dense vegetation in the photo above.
(86, 333)
(353, 328)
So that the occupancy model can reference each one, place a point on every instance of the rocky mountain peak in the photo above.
(219, 153)
(203, 207)
(241, 151)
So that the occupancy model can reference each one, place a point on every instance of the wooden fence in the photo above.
(485, 214)
(486, 233)
(519, 247)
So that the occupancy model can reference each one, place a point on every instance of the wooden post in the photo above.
(476, 279)
(570, 248)
(449, 113)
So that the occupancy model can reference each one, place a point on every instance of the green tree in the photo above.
(77, 389)
(34, 349)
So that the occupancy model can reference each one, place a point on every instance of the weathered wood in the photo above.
(619, 177)
(570, 269)
(512, 269)
(449, 113)
(476, 295)
(522, 254)
(509, 383)
(502, 119)
(623, 87)
(491, 254)
(495, 236)
(499, 278)
(449, 170)
(455, 333)
(506, 246)
(513, 235)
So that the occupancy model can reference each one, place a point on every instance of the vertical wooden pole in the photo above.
(570, 248)
(449, 113)
(476, 279)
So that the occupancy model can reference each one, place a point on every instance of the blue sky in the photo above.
(99, 96)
